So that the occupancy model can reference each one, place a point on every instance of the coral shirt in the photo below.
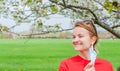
(77, 63)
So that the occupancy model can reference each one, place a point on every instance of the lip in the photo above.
(77, 45)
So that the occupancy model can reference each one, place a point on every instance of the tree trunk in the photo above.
(106, 27)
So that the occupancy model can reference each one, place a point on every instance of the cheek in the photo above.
(72, 41)
(87, 41)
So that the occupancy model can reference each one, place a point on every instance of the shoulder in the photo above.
(73, 58)
(64, 64)
(69, 60)
(103, 62)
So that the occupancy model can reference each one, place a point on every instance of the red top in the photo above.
(77, 63)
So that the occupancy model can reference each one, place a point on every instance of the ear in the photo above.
(94, 38)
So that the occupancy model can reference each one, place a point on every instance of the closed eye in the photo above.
(80, 36)
(73, 36)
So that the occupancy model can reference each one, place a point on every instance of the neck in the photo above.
(85, 54)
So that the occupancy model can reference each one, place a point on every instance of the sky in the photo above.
(59, 19)
(65, 22)
(54, 19)
(9, 23)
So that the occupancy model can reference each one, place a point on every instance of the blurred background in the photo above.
(35, 35)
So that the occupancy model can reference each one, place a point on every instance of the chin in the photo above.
(78, 49)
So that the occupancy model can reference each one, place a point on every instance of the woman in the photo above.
(84, 38)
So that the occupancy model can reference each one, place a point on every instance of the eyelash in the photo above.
(73, 37)
(78, 36)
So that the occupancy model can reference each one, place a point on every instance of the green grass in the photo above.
(46, 54)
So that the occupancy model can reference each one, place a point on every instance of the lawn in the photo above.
(45, 54)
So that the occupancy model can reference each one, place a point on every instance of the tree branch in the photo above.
(105, 26)
(13, 26)
(64, 3)
(14, 33)
(106, 8)
(108, 28)
(83, 8)
(46, 32)
(78, 7)
(116, 26)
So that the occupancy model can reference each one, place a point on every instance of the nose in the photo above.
(76, 40)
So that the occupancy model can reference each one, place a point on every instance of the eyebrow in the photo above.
(77, 34)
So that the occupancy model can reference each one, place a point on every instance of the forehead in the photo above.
(80, 30)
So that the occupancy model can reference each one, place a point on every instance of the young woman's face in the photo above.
(81, 39)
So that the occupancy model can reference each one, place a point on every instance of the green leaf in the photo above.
(0, 27)
(19, 21)
(57, 26)
(34, 8)
(54, 9)
(16, 4)
(110, 9)
(43, 12)
(38, 1)
(87, 12)
(15, 16)
(39, 24)
(3, 3)
(28, 1)
(5, 28)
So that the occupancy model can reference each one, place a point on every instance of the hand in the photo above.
(89, 67)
